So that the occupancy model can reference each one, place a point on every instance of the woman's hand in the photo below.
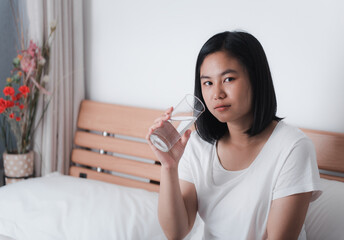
(168, 159)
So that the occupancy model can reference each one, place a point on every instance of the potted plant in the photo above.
(19, 107)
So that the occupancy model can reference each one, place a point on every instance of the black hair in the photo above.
(250, 53)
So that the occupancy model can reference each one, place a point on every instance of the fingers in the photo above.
(185, 137)
(169, 110)
(153, 127)
(159, 122)
(165, 116)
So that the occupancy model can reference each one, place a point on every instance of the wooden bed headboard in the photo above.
(329, 147)
(111, 146)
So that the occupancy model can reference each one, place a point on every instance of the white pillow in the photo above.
(325, 216)
(64, 207)
(3, 237)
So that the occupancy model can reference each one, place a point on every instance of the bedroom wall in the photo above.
(143, 53)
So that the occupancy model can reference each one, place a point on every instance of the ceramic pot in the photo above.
(18, 166)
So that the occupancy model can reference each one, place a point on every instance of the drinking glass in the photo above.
(182, 117)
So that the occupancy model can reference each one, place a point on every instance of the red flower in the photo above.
(3, 105)
(24, 90)
(9, 104)
(2, 102)
(9, 91)
(18, 119)
(21, 106)
(19, 95)
(12, 115)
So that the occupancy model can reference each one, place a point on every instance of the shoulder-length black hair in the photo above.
(250, 53)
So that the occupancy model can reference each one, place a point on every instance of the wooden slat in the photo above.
(110, 144)
(75, 171)
(329, 148)
(131, 167)
(118, 119)
(330, 177)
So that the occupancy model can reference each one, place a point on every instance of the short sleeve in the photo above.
(184, 169)
(299, 172)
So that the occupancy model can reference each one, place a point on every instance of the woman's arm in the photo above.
(177, 200)
(287, 216)
(177, 205)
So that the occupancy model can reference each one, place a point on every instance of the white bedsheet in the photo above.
(64, 207)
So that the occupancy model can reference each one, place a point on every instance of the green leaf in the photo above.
(16, 62)
(16, 78)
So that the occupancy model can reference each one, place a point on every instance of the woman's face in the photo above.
(226, 88)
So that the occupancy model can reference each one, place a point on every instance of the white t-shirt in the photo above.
(235, 204)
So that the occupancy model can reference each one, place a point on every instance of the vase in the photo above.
(18, 166)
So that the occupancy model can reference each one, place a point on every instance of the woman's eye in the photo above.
(207, 83)
(229, 79)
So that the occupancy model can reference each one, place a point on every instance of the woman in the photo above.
(248, 174)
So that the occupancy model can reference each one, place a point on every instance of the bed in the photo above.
(112, 189)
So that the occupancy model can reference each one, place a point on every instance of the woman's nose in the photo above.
(219, 93)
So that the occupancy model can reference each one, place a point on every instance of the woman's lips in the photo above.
(221, 108)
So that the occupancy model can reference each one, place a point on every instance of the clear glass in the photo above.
(182, 117)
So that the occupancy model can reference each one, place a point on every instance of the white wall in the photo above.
(143, 53)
